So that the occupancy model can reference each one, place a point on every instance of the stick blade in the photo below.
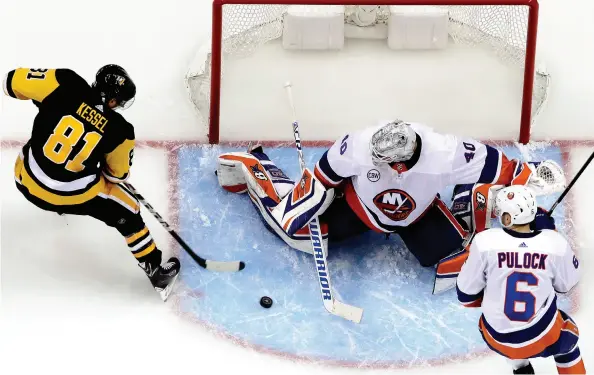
(348, 312)
(233, 266)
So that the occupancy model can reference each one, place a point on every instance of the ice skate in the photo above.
(163, 277)
(525, 370)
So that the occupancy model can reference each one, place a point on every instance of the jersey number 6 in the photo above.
(519, 306)
(66, 135)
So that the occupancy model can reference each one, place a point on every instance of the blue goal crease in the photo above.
(402, 321)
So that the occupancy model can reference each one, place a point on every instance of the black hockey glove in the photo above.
(542, 220)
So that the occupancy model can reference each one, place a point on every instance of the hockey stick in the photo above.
(445, 282)
(573, 181)
(211, 265)
(331, 304)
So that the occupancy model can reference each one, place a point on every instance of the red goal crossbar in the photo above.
(217, 41)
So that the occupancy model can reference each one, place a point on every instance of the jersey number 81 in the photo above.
(65, 136)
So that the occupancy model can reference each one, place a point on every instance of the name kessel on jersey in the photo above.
(512, 259)
(92, 116)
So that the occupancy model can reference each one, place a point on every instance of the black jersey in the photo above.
(76, 142)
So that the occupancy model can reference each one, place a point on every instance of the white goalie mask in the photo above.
(517, 201)
(394, 142)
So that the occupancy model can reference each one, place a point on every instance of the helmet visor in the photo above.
(125, 104)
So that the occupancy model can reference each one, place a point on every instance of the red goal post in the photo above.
(214, 96)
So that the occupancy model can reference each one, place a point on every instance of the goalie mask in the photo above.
(392, 143)
(517, 201)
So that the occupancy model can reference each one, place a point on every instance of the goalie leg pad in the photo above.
(281, 182)
(300, 240)
(230, 173)
(473, 205)
(483, 205)
(309, 198)
(462, 205)
(448, 270)
(239, 172)
(266, 185)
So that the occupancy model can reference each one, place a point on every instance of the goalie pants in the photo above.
(431, 238)
(116, 207)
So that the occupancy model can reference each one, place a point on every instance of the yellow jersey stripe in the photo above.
(136, 236)
(146, 251)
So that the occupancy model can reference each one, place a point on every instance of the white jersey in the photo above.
(387, 197)
(515, 276)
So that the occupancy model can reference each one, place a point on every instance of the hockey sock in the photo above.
(570, 363)
(143, 247)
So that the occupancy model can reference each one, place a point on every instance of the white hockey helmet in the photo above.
(517, 201)
(393, 142)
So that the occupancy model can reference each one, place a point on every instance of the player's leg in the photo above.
(118, 208)
(473, 205)
(566, 351)
(570, 363)
(285, 206)
(343, 223)
(434, 236)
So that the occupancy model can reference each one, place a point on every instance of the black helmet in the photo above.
(113, 82)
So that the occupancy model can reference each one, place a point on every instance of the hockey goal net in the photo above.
(354, 64)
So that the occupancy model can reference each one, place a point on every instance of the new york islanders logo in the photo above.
(395, 204)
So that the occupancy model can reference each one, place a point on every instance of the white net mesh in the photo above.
(550, 178)
(500, 29)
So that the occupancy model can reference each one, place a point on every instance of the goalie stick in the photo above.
(332, 305)
(211, 265)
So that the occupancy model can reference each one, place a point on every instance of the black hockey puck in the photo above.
(266, 302)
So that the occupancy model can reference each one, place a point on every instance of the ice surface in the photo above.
(73, 299)
(403, 323)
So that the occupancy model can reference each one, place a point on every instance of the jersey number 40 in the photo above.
(65, 136)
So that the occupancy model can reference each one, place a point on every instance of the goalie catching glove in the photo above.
(474, 203)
